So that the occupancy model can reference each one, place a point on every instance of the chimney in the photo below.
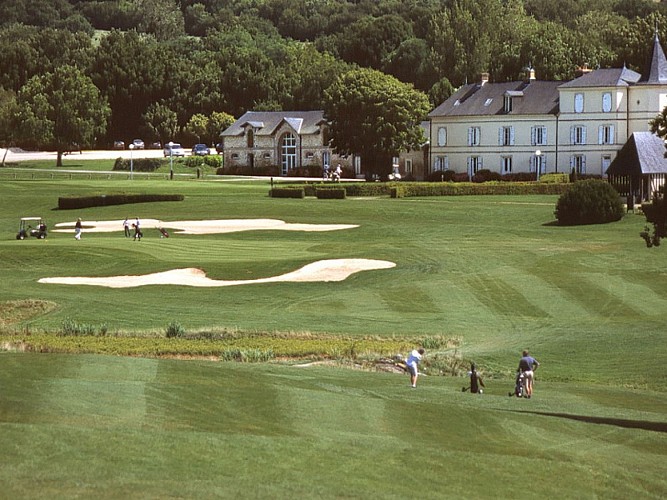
(484, 78)
(582, 70)
(529, 75)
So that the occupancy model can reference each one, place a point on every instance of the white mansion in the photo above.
(546, 126)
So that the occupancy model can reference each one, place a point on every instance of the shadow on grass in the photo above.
(619, 422)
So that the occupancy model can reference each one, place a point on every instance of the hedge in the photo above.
(287, 193)
(138, 165)
(103, 200)
(410, 189)
(330, 194)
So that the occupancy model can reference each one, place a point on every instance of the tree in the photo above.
(161, 121)
(218, 122)
(61, 108)
(8, 110)
(375, 116)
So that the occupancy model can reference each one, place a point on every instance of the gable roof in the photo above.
(643, 153)
(534, 98)
(609, 77)
(266, 122)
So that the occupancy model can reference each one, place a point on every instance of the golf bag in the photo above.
(518, 385)
(164, 233)
(476, 382)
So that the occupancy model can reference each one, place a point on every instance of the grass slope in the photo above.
(493, 271)
(109, 427)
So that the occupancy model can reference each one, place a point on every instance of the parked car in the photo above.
(118, 145)
(201, 150)
(218, 148)
(173, 149)
(156, 145)
(138, 144)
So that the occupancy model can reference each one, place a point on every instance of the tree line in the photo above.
(162, 69)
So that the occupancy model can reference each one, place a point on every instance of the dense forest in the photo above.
(175, 59)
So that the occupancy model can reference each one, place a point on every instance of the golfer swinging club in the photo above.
(412, 362)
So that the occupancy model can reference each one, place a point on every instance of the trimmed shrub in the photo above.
(555, 178)
(287, 193)
(214, 161)
(656, 214)
(591, 201)
(103, 200)
(337, 193)
(138, 165)
(485, 176)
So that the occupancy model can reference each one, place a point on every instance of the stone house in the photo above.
(287, 140)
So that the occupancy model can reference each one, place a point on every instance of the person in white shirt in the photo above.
(412, 362)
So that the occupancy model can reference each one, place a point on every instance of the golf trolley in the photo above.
(519, 385)
(26, 229)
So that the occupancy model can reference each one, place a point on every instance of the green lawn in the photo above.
(494, 272)
(110, 427)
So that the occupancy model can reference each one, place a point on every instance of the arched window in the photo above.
(250, 137)
(288, 153)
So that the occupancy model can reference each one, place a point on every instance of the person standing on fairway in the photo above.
(412, 362)
(527, 366)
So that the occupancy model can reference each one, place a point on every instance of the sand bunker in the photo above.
(323, 270)
(201, 226)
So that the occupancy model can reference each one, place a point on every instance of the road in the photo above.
(17, 155)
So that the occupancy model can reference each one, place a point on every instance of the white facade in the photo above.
(515, 127)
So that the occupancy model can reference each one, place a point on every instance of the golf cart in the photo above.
(26, 229)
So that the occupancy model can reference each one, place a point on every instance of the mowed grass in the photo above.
(495, 272)
(492, 271)
(111, 427)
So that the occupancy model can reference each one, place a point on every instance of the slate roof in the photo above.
(656, 73)
(538, 98)
(266, 122)
(611, 77)
(643, 153)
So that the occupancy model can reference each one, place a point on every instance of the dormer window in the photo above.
(250, 138)
(507, 104)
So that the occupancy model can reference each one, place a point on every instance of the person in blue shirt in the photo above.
(527, 366)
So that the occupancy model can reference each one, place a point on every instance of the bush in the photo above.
(656, 214)
(138, 165)
(485, 176)
(591, 201)
(330, 193)
(105, 200)
(175, 329)
(214, 161)
(287, 193)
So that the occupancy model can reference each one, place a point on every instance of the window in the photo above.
(507, 103)
(442, 136)
(474, 165)
(309, 155)
(578, 134)
(538, 162)
(250, 138)
(441, 163)
(606, 161)
(538, 135)
(408, 167)
(578, 103)
(474, 136)
(288, 153)
(606, 134)
(578, 163)
(506, 165)
(235, 156)
(326, 159)
(506, 136)
(267, 156)
(606, 102)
